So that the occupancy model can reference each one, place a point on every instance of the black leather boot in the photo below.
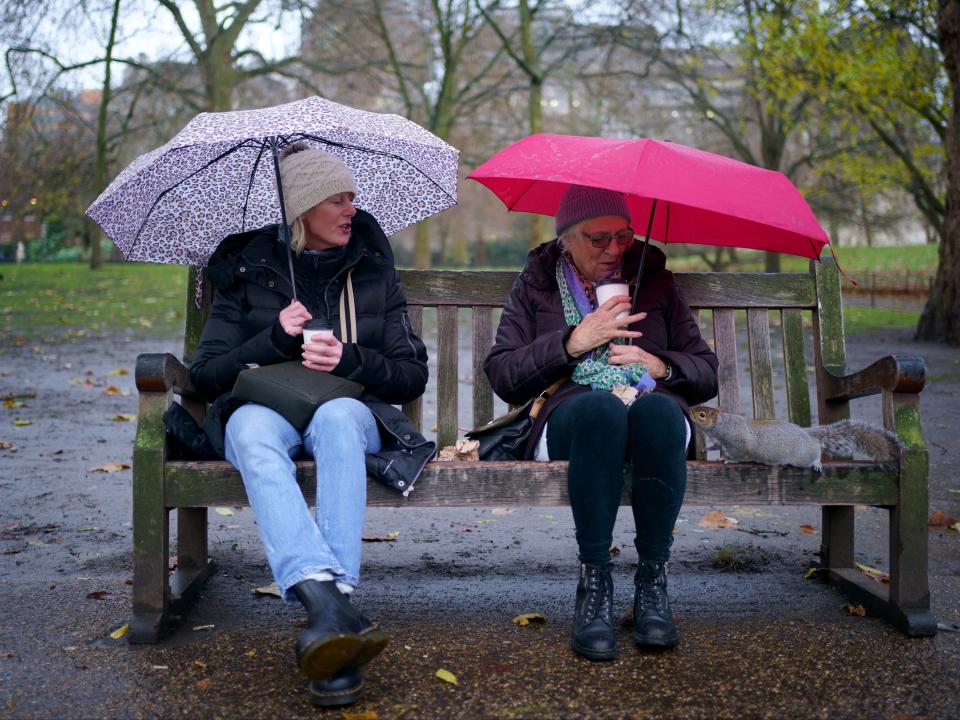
(652, 616)
(337, 634)
(344, 687)
(593, 632)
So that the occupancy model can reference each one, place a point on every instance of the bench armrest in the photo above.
(162, 372)
(896, 374)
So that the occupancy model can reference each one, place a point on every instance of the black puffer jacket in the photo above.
(529, 353)
(251, 278)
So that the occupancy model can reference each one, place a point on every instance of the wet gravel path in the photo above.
(760, 641)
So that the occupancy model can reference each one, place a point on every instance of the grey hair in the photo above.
(570, 234)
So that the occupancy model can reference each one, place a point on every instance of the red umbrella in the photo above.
(710, 199)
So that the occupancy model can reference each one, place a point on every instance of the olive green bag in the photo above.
(295, 391)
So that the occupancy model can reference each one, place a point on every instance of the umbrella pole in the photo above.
(643, 256)
(284, 227)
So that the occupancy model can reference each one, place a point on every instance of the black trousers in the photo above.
(596, 432)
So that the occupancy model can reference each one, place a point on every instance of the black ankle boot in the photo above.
(652, 616)
(593, 633)
(337, 634)
(343, 688)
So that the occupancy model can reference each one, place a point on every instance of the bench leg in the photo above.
(193, 563)
(836, 545)
(151, 550)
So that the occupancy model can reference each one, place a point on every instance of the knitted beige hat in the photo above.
(310, 176)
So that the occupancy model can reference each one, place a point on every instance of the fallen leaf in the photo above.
(502, 511)
(879, 575)
(223, 511)
(811, 572)
(110, 467)
(716, 519)
(486, 520)
(808, 529)
(271, 589)
(939, 520)
(447, 676)
(199, 663)
(119, 371)
(120, 632)
(857, 610)
(530, 619)
(114, 390)
(362, 715)
(211, 626)
(251, 653)
(203, 684)
(376, 537)
(614, 551)
(955, 527)
(124, 417)
(22, 423)
(6, 445)
(11, 403)
(97, 594)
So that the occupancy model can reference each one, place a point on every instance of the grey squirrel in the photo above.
(775, 442)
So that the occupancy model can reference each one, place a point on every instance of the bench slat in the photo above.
(414, 409)
(491, 287)
(725, 345)
(447, 375)
(761, 368)
(795, 367)
(487, 484)
(482, 341)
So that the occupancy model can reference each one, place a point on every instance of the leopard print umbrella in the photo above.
(216, 177)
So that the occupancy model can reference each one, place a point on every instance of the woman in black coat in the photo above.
(631, 378)
(343, 261)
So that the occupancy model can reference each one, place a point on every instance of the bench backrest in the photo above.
(441, 300)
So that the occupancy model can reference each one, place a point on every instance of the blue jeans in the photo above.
(260, 443)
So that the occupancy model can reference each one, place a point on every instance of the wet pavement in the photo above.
(758, 639)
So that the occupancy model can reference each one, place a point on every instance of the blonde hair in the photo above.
(298, 236)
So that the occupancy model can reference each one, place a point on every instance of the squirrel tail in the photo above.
(849, 437)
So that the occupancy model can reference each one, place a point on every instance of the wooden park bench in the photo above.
(805, 306)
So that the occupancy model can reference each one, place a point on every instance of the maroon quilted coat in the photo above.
(529, 353)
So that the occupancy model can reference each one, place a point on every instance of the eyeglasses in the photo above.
(601, 240)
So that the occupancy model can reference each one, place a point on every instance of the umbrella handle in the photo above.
(643, 256)
(284, 228)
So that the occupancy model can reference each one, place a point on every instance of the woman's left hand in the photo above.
(630, 354)
(322, 353)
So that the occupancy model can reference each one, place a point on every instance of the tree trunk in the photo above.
(940, 319)
(421, 245)
(100, 172)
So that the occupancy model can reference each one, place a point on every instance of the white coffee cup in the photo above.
(607, 289)
(316, 329)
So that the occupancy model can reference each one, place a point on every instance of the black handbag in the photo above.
(504, 438)
(295, 391)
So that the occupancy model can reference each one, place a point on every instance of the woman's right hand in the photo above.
(293, 317)
(602, 325)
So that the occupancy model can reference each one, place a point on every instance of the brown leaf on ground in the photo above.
(362, 715)
(119, 371)
(271, 589)
(857, 610)
(716, 520)
(537, 619)
(614, 551)
(97, 595)
(110, 467)
(879, 575)
(204, 684)
(124, 417)
(939, 520)
(114, 390)
(809, 529)
(378, 537)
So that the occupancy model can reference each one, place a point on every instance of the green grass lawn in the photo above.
(910, 258)
(70, 300)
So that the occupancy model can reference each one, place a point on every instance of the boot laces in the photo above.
(652, 593)
(599, 602)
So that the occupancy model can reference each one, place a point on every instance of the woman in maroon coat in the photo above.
(631, 377)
